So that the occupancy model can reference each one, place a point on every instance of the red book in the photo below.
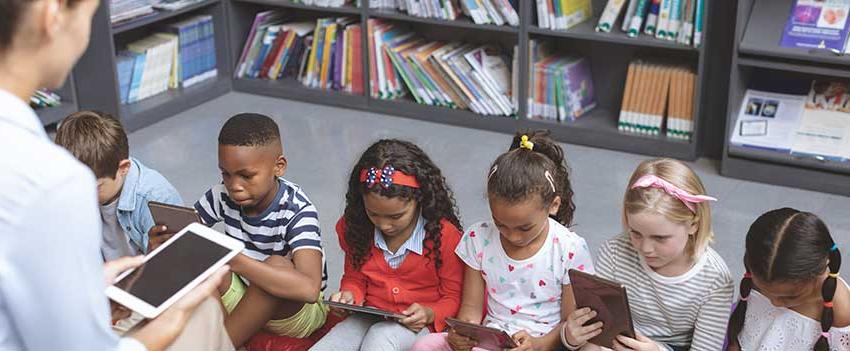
(356, 60)
(274, 53)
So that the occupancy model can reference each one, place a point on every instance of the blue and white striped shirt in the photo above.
(414, 243)
(289, 225)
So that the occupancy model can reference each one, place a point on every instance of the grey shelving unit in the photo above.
(759, 62)
(52, 115)
(96, 78)
(609, 53)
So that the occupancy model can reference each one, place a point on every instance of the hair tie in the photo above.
(748, 275)
(652, 181)
(525, 144)
(387, 176)
(745, 298)
(827, 304)
(834, 247)
(833, 275)
(825, 335)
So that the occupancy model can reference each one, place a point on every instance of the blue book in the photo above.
(210, 62)
(125, 73)
(136, 81)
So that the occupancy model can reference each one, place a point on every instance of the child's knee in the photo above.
(431, 342)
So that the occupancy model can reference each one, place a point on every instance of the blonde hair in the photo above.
(655, 200)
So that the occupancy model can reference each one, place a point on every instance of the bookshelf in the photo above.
(757, 57)
(52, 115)
(613, 51)
(97, 82)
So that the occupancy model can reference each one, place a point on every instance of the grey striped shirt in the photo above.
(689, 310)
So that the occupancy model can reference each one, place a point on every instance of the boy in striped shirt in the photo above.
(279, 277)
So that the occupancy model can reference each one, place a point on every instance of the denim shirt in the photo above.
(142, 185)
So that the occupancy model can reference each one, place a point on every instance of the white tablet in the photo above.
(173, 269)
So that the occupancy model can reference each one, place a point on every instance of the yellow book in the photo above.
(311, 61)
(330, 34)
(346, 71)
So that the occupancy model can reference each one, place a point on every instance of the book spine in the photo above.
(609, 15)
(652, 18)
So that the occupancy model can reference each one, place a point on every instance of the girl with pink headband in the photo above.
(679, 288)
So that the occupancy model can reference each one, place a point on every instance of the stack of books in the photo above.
(560, 86)
(658, 100)
(450, 74)
(562, 14)
(182, 54)
(325, 54)
(498, 12)
(680, 21)
(126, 10)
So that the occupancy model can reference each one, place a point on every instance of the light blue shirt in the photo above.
(141, 186)
(414, 243)
(51, 272)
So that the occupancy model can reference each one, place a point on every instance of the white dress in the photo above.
(777, 328)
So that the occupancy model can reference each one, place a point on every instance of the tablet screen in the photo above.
(171, 269)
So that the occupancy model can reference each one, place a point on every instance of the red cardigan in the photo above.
(415, 281)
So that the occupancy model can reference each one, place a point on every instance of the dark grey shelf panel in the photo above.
(764, 31)
(159, 17)
(52, 115)
(785, 175)
(292, 89)
(461, 22)
(586, 31)
(463, 118)
(794, 67)
(788, 159)
(599, 129)
(151, 110)
(348, 9)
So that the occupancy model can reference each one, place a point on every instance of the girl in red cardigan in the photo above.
(399, 232)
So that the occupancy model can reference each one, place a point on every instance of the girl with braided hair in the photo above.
(399, 231)
(791, 295)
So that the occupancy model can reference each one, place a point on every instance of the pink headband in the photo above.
(651, 181)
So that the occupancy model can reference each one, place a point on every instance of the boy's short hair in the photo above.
(249, 129)
(95, 138)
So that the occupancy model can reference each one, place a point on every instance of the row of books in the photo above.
(560, 86)
(121, 11)
(44, 98)
(658, 99)
(450, 74)
(818, 24)
(673, 20)
(182, 54)
(815, 125)
(325, 54)
(562, 14)
(126, 10)
(498, 12)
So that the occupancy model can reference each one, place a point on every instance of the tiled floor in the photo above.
(322, 144)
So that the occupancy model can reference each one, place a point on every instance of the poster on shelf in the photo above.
(768, 120)
(817, 24)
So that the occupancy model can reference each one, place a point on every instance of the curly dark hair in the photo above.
(434, 197)
(520, 173)
(249, 129)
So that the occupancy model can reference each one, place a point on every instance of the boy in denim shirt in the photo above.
(124, 185)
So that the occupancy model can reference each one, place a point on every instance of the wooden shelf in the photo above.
(151, 110)
(348, 9)
(460, 22)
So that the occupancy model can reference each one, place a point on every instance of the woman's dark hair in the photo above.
(787, 245)
(520, 173)
(434, 197)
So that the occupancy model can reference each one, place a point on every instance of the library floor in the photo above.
(322, 144)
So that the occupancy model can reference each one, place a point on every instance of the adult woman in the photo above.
(51, 274)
